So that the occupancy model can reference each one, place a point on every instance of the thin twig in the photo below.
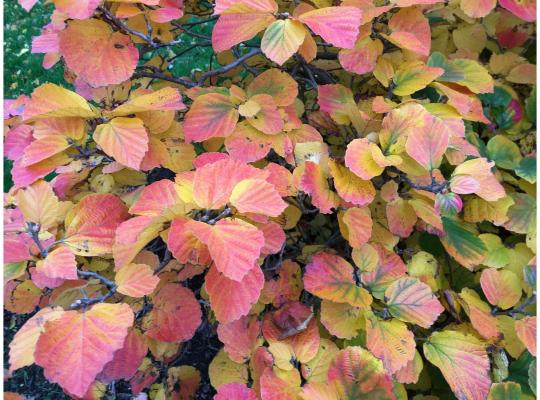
(228, 67)
(160, 75)
(33, 231)
(225, 213)
(518, 310)
(166, 258)
(126, 28)
(86, 302)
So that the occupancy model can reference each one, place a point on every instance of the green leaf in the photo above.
(532, 376)
(451, 73)
(530, 106)
(504, 152)
(519, 371)
(462, 242)
(505, 391)
(526, 169)
(499, 98)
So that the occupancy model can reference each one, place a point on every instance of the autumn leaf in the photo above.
(23, 345)
(463, 362)
(75, 347)
(125, 139)
(175, 316)
(210, 115)
(233, 299)
(136, 280)
(91, 224)
(356, 373)
(234, 245)
(331, 277)
(412, 301)
(97, 54)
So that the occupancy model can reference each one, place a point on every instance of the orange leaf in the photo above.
(234, 245)
(314, 183)
(356, 373)
(185, 246)
(132, 235)
(159, 199)
(526, 332)
(267, 119)
(165, 99)
(277, 84)
(125, 139)
(389, 268)
(23, 345)
(257, 196)
(136, 280)
(59, 263)
(412, 301)
(50, 100)
(260, 5)
(97, 54)
(479, 313)
(127, 360)
(282, 39)
(75, 347)
(477, 8)
(331, 278)
(401, 217)
(77, 9)
(359, 224)
(232, 299)
(53, 135)
(501, 287)
(238, 24)
(363, 57)
(91, 224)
(428, 144)
(410, 31)
(39, 204)
(463, 361)
(350, 187)
(240, 337)
(210, 115)
(176, 314)
(390, 341)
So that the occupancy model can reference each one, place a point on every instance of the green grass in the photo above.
(23, 71)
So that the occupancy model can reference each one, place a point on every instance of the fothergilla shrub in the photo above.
(276, 200)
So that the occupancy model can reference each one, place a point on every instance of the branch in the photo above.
(433, 187)
(85, 302)
(518, 310)
(126, 28)
(166, 258)
(307, 70)
(228, 67)
(156, 74)
(189, 32)
(33, 231)
(225, 213)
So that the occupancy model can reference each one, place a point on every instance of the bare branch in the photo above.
(228, 67)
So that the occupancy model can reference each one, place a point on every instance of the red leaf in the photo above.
(234, 245)
(233, 299)
(176, 314)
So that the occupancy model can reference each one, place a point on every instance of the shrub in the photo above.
(342, 194)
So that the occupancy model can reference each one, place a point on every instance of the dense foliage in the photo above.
(285, 200)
